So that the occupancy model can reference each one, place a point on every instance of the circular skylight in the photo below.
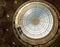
(37, 20)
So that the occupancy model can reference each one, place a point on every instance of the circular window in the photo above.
(36, 22)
